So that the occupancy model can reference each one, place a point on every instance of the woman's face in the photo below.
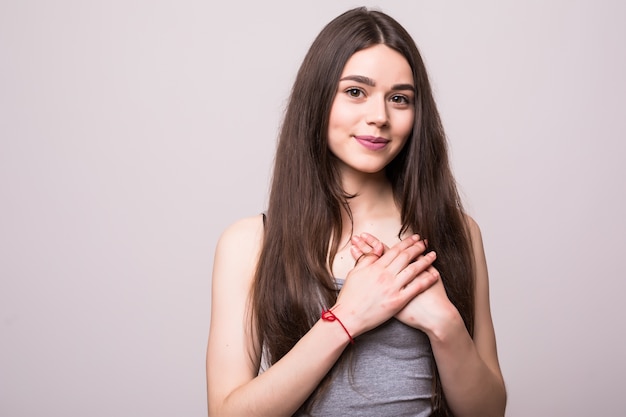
(373, 110)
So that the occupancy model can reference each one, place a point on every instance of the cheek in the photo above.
(403, 130)
(340, 116)
(404, 125)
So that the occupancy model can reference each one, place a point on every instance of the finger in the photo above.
(392, 252)
(403, 253)
(422, 282)
(372, 257)
(366, 245)
(376, 244)
(360, 247)
(356, 252)
(414, 269)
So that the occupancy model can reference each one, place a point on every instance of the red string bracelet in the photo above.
(328, 315)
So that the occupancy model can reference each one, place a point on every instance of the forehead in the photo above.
(380, 63)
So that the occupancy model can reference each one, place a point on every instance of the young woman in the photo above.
(363, 290)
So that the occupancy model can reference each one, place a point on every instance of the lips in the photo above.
(372, 143)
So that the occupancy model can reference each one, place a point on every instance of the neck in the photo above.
(372, 206)
(369, 190)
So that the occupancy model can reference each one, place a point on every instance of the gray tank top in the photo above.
(388, 374)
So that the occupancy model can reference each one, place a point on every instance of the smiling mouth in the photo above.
(372, 139)
(372, 142)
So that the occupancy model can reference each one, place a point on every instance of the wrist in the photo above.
(330, 316)
(448, 323)
(349, 318)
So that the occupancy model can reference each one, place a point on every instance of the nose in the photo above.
(377, 112)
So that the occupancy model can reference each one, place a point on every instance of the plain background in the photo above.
(133, 132)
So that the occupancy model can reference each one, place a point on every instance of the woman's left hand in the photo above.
(430, 309)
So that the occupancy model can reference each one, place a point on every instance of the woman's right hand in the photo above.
(382, 283)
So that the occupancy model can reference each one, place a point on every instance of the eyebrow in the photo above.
(368, 81)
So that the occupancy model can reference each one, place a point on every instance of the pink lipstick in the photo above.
(372, 143)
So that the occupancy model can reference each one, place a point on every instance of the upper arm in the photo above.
(484, 334)
(232, 359)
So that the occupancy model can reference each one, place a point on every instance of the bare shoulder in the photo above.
(243, 237)
(480, 261)
(246, 229)
(476, 239)
(238, 250)
(473, 228)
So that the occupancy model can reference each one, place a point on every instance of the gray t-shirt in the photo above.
(389, 373)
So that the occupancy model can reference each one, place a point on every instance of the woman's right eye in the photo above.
(354, 92)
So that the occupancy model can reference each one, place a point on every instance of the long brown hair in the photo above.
(293, 282)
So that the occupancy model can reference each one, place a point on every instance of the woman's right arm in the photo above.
(234, 387)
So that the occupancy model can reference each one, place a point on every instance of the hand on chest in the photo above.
(344, 261)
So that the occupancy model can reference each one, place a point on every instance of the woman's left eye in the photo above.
(398, 99)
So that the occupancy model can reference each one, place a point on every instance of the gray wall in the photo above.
(133, 132)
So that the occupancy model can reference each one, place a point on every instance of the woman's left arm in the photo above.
(469, 369)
